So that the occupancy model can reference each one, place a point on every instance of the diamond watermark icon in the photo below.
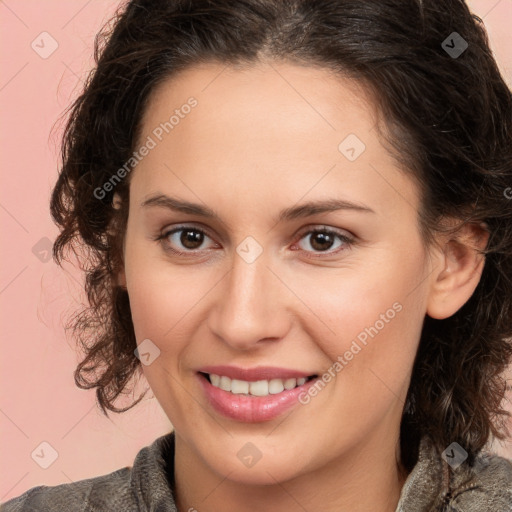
(454, 45)
(249, 455)
(44, 455)
(44, 45)
(249, 250)
(455, 455)
(42, 250)
(352, 147)
(147, 352)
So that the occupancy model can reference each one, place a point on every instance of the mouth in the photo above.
(258, 388)
(257, 400)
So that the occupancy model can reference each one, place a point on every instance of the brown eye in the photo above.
(191, 238)
(322, 240)
(183, 239)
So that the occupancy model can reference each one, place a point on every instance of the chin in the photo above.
(260, 474)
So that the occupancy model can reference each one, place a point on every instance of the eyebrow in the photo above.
(294, 212)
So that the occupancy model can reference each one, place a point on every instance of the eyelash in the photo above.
(347, 241)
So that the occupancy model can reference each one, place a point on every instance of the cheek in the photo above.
(157, 292)
(372, 321)
(349, 305)
(166, 303)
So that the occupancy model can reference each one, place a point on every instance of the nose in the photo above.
(252, 305)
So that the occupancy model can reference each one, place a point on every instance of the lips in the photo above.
(251, 409)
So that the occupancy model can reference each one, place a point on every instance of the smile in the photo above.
(253, 401)
(256, 388)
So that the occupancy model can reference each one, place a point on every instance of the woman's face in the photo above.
(260, 288)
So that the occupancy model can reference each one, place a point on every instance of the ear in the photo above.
(458, 270)
(121, 276)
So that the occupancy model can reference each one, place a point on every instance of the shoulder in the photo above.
(143, 486)
(434, 484)
(73, 497)
(485, 486)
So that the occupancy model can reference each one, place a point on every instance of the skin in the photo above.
(260, 140)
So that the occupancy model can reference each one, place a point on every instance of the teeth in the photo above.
(239, 386)
(290, 383)
(276, 386)
(258, 388)
(225, 383)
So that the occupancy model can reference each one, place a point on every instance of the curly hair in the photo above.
(447, 119)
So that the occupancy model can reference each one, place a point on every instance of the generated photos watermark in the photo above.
(355, 347)
(144, 150)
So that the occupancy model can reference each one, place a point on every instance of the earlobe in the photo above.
(116, 201)
(458, 272)
(121, 279)
(121, 276)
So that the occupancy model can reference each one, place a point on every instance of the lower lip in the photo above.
(252, 409)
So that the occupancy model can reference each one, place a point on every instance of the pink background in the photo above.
(39, 401)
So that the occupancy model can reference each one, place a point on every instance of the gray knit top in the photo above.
(432, 486)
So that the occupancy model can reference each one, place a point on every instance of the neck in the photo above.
(365, 478)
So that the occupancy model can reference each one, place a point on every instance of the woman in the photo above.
(297, 228)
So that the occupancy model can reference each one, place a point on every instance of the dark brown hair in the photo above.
(448, 120)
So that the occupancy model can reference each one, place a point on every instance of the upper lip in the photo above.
(255, 374)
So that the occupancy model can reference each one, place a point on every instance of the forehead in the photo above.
(266, 96)
(265, 128)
